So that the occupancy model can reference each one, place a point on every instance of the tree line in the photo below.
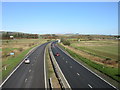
(19, 35)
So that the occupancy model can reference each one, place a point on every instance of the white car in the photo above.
(27, 61)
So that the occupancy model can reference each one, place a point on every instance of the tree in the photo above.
(65, 42)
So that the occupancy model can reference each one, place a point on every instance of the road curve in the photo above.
(77, 75)
(29, 75)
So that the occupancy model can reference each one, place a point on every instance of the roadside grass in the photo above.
(49, 64)
(17, 46)
(11, 45)
(10, 62)
(8, 50)
(109, 71)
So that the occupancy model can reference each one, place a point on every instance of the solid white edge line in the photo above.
(90, 86)
(16, 68)
(60, 69)
(87, 68)
(11, 73)
(45, 68)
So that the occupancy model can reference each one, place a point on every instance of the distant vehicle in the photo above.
(57, 54)
(27, 61)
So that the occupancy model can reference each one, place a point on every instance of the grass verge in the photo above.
(51, 73)
(109, 71)
(12, 62)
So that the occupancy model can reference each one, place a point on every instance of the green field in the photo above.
(104, 49)
(109, 71)
(112, 72)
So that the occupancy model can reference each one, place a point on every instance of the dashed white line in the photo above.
(25, 79)
(28, 54)
(30, 70)
(88, 69)
(58, 68)
(90, 86)
(78, 74)
(66, 61)
(70, 66)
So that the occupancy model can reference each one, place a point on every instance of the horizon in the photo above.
(63, 33)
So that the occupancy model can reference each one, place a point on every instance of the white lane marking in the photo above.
(25, 79)
(63, 58)
(45, 69)
(51, 53)
(78, 74)
(11, 73)
(30, 70)
(70, 66)
(66, 61)
(90, 86)
(32, 64)
(28, 54)
(88, 69)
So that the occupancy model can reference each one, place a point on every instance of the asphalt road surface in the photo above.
(76, 75)
(29, 75)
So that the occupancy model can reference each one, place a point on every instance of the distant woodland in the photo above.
(19, 35)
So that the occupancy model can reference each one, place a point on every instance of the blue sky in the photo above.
(61, 17)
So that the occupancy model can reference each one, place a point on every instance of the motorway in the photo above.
(77, 75)
(29, 75)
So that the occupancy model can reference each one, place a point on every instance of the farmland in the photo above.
(99, 54)
(101, 49)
